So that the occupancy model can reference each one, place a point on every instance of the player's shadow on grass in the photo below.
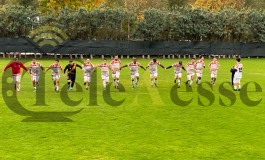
(11, 100)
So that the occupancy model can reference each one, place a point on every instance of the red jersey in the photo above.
(16, 67)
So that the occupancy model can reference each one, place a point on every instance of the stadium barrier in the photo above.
(166, 49)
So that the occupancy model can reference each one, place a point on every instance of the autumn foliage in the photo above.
(215, 5)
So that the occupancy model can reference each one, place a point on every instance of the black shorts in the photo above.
(71, 77)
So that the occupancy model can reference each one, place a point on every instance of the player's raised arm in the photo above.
(47, 69)
(8, 66)
(124, 66)
(65, 68)
(42, 68)
(79, 66)
(169, 67)
(161, 65)
(23, 66)
(111, 68)
(142, 67)
(148, 65)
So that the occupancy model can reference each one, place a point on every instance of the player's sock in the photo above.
(132, 83)
(114, 81)
(18, 87)
(137, 80)
(57, 88)
(175, 81)
(117, 83)
(187, 82)
(235, 87)
(155, 82)
(191, 81)
(179, 83)
(239, 87)
(199, 81)
(104, 84)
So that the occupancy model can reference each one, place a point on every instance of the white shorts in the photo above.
(35, 78)
(153, 74)
(16, 78)
(214, 74)
(87, 79)
(133, 75)
(55, 77)
(105, 77)
(199, 73)
(116, 74)
(237, 80)
(190, 75)
(178, 75)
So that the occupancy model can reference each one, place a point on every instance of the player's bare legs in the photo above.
(116, 82)
(190, 80)
(87, 84)
(179, 81)
(198, 81)
(69, 84)
(137, 80)
(152, 80)
(34, 85)
(213, 80)
(132, 83)
(155, 80)
(237, 85)
(105, 82)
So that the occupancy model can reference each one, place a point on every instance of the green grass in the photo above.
(147, 126)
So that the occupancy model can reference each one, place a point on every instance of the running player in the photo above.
(71, 75)
(214, 66)
(200, 65)
(190, 69)
(154, 71)
(34, 70)
(88, 68)
(134, 71)
(105, 72)
(16, 65)
(178, 67)
(116, 64)
(55, 68)
(238, 75)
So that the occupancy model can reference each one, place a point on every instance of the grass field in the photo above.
(148, 125)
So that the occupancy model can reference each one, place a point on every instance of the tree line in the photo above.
(123, 23)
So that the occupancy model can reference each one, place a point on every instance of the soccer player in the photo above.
(190, 69)
(214, 66)
(178, 67)
(154, 71)
(16, 65)
(71, 75)
(55, 68)
(200, 65)
(88, 68)
(105, 72)
(238, 75)
(134, 71)
(116, 64)
(34, 70)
